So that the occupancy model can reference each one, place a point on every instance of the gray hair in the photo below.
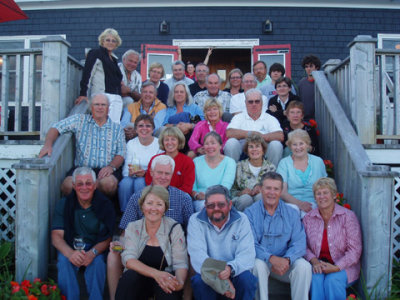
(163, 160)
(100, 95)
(149, 83)
(203, 64)
(178, 62)
(251, 75)
(171, 97)
(253, 91)
(83, 171)
(208, 76)
(218, 189)
(112, 32)
(131, 52)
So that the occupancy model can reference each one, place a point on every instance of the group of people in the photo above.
(218, 189)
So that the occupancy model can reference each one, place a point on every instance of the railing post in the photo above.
(328, 67)
(362, 99)
(54, 82)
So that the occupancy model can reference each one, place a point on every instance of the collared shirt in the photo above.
(223, 97)
(238, 103)
(264, 124)
(344, 239)
(281, 234)
(171, 81)
(135, 82)
(96, 146)
(266, 80)
(180, 208)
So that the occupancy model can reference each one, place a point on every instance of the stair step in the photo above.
(384, 154)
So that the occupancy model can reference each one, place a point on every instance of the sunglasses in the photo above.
(253, 101)
(219, 204)
(111, 41)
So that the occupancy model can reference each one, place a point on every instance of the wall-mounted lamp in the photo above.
(164, 27)
(267, 26)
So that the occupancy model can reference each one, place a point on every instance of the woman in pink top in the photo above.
(333, 243)
(212, 113)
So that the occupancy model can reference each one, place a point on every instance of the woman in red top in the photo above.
(171, 140)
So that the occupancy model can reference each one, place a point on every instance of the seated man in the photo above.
(180, 209)
(254, 119)
(280, 241)
(220, 232)
(213, 84)
(100, 145)
(238, 101)
(88, 214)
(131, 79)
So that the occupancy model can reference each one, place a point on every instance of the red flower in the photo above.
(31, 297)
(14, 283)
(63, 297)
(313, 123)
(352, 296)
(25, 289)
(328, 163)
(26, 283)
(317, 132)
(15, 289)
(347, 206)
(44, 290)
(36, 280)
(53, 287)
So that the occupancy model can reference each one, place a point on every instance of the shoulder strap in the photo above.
(170, 231)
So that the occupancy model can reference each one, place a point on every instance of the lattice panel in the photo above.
(396, 219)
(7, 204)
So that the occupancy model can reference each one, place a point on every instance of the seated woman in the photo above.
(247, 187)
(295, 114)
(278, 103)
(181, 111)
(155, 255)
(171, 140)
(211, 169)
(147, 105)
(213, 114)
(333, 244)
(300, 171)
(234, 83)
(139, 151)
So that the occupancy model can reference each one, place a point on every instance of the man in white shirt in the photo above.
(131, 79)
(254, 119)
(238, 101)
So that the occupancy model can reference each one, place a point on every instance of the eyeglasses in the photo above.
(236, 77)
(219, 204)
(144, 126)
(156, 72)
(82, 184)
(253, 102)
(111, 41)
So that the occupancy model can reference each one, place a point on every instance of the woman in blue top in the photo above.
(211, 169)
(300, 171)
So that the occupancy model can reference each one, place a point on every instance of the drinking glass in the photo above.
(79, 243)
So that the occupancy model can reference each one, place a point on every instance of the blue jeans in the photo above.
(329, 286)
(127, 186)
(245, 285)
(95, 276)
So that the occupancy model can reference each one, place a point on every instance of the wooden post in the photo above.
(54, 82)
(362, 95)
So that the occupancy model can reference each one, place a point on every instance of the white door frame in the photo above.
(216, 43)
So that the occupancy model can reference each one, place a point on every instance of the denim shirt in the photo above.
(281, 234)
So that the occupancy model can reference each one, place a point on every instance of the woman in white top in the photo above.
(139, 151)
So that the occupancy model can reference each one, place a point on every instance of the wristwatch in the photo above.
(114, 168)
(95, 252)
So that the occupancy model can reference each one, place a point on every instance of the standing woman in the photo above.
(101, 73)
(211, 169)
(333, 244)
(234, 82)
(155, 256)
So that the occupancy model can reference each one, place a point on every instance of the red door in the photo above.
(274, 54)
(164, 54)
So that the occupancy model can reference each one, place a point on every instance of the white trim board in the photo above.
(384, 156)
(216, 43)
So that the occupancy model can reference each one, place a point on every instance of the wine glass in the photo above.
(79, 243)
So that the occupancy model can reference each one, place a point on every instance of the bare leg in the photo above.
(114, 272)
(108, 185)
(66, 186)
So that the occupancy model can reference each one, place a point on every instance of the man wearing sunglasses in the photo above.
(254, 119)
(220, 232)
(280, 241)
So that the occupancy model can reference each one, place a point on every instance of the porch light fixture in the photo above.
(267, 26)
(164, 27)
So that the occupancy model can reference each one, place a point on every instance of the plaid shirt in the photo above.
(223, 97)
(96, 146)
(180, 208)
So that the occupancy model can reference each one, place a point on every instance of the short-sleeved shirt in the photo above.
(264, 124)
(96, 146)
(223, 97)
(86, 224)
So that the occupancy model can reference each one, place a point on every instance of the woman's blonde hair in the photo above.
(299, 134)
(210, 103)
(109, 31)
(325, 182)
(171, 131)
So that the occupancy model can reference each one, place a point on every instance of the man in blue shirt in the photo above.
(280, 241)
